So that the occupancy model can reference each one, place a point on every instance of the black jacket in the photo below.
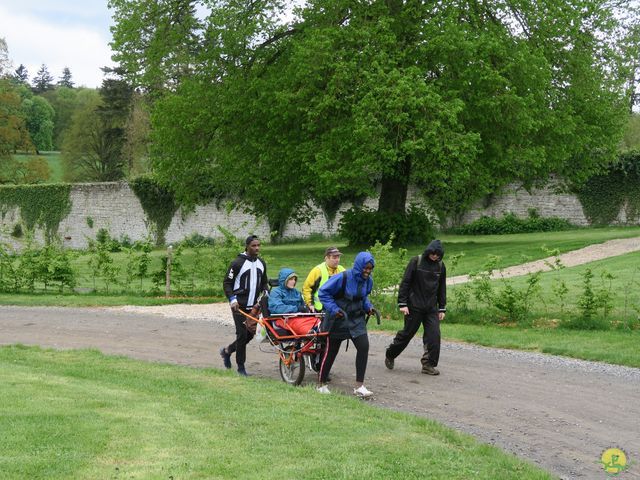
(424, 285)
(245, 280)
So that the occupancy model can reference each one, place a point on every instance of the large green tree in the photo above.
(39, 115)
(64, 101)
(93, 145)
(458, 98)
(13, 130)
(89, 151)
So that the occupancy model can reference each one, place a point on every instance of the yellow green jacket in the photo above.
(314, 282)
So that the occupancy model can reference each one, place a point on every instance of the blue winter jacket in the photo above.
(283, 299)
(356, 285)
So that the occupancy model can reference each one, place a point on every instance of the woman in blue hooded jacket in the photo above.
(285, 298)
(345, 300)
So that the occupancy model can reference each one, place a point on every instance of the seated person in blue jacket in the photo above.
(285, 298)
(345, 300)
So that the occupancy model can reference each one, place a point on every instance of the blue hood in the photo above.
(361, 260)
(284, 275)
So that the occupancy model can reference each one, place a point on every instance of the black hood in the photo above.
(435, 247)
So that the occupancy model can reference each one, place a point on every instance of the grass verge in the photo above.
(90, 300)
(617, 347)
(80, 414)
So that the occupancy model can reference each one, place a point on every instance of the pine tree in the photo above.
(43, 80)
(65, 79)
(22, 75)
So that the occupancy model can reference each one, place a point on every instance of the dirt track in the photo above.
(558, 413)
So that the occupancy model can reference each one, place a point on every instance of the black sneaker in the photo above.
(388, 362)
(429, 370)
(226, 358)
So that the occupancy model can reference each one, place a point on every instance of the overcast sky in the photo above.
(65, 33)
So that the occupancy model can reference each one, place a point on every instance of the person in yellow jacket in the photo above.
(318, 276)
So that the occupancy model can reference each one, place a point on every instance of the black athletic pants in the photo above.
(243, 336)
(430, 337)
(333, 346)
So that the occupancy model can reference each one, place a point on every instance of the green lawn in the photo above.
(91, 300)
(80, 414)
(617, 347)
(512, 249)
(624, 287)
(54, 159)
(304, 255)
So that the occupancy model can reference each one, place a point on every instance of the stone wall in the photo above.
(549, 201)
(514, 198)
(115, 207)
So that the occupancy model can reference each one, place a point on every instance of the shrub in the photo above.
(17, 231)
(510, 223)
(389, 268)
(516, 303)
(588, 304)
(361, 226)
(103, 237)
(196, 240)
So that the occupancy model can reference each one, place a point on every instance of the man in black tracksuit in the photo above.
(422, 298)
(246, 279)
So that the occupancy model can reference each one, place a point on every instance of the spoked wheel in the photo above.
(291, 368)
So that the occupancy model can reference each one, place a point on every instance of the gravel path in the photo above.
(591, 253)
(555, 412)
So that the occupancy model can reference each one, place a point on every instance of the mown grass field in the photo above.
(80, 414)
(512, 249)
(613, 346)
(620, 275)
(302, 256)
(54, 160)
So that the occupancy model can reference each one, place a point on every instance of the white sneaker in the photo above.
(362, 392)
(323, 389)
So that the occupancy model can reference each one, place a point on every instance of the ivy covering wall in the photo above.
(42, 206)
(158, 203)
(603, 196)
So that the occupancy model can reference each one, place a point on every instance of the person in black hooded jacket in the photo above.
(422, 298)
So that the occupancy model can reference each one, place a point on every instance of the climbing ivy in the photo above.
(602, 196)
(158, 204)
(43, 206)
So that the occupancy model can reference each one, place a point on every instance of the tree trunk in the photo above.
(393, 195)
(394, 187)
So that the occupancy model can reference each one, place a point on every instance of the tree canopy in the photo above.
(93, 145)
(39, 116)
(458, 98)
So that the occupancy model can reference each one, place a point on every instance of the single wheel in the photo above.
(291, 366)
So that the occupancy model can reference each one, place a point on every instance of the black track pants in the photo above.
(243, 336)
(430, 337)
